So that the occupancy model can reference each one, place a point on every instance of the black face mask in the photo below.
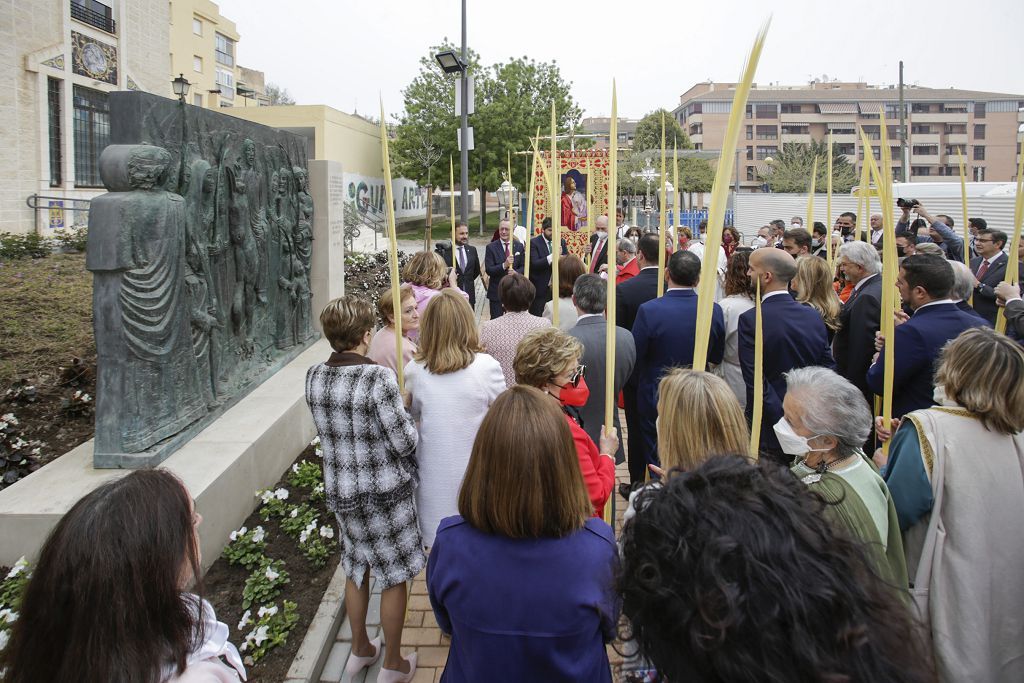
(900, 251)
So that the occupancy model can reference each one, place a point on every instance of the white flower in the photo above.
(8, 616)
(260, 634)
(78, 394)
(327, 532)
(319, 452)
(235, 535)
(18, 567)
(37, 451)
(3, 426)
(9, 418)
(4, 636)
(245, 620)
(267, 611)
(294, 513)
(266, 496)
(281, 494)
(19, 443)
(303, 536)
(315, 441)
(258, 534)
(86, 398)
(271, 574)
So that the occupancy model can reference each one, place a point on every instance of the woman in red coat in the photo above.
(548, 359)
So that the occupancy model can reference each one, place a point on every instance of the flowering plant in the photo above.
(317, 543)
(12, 588)
(246, 548)
(264, 583)
(273, 503)
(297, 519)
(270, 628)
(305, 474)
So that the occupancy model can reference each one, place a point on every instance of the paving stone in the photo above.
(335, 665)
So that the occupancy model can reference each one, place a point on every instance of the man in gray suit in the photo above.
(589, 294)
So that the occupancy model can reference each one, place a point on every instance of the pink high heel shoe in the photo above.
(393, 676)
(356, 664)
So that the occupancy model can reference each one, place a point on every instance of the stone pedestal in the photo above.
(327, 187)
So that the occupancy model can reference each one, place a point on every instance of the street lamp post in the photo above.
(180, 86)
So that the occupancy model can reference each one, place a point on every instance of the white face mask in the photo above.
(760, 241)
(791, 442)
(601, 234)
(795, 225)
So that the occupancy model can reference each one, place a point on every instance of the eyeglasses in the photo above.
(979, 241)
(578, 374)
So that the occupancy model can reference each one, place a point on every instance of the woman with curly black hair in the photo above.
(730, 572)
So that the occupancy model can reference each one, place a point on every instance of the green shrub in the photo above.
(29, 245)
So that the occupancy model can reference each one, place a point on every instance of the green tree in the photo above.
(278, 95)
(790, 171)
(512, 100)
(695, 175)
(648, 133)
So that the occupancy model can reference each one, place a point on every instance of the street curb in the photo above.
(309, 661)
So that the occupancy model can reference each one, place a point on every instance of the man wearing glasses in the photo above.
(989, 268)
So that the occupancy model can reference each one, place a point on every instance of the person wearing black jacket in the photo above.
(860, 317)
(540, 266)
(467, 261)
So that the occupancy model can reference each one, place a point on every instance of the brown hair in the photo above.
(544, 353)
(516, 292)
(448, 336)
(736, 279)
(523, 479)
(983, 371)
(698, 416)
(107, 590)
(386, 306)
(426, 269)
(345, 321)
(813, 285)
(569, 268)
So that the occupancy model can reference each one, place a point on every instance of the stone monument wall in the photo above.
(202, 254)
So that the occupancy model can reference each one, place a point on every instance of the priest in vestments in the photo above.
(568, 210)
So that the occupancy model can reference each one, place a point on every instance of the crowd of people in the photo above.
(842, 548)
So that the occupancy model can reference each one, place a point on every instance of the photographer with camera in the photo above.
(940, 230)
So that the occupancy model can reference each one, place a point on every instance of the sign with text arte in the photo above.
(93, 58)
(367, 194)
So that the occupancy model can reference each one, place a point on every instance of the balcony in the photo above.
(956, 139)
(844, 138)
(924, 159)
(924, 138)
(940, 117)
(694, 118)
(697, 138)
(803, 138)
(94, 14)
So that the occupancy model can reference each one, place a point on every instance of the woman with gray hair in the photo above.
(825, 423)
(963, 288)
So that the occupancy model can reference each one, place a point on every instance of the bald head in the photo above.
(773, 267)
(602, 223)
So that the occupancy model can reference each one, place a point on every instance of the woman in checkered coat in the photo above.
(370, 476)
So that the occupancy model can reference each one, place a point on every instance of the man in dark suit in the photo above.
(589, 295)
(467, 261)
(859, 319)
(665, 331)
(793, 335)
(599, 245)
(989, 269)
(501, 256)
(541, 260)
(924, 282)
(1014, 310)
(629, 296)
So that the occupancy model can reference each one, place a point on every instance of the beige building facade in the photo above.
(983, 125)
(60, 58)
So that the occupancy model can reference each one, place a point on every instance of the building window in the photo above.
(94, 14)
(224, 50)
(979, 174)
(751, 174)
(750, 111)
(226, 83)
(790, 108)
(56, 139)
(795, 130)
(920, 170)
(979, 153)
(197, 63)
(767, 133)
(750, 153)
(872, 132)
(197, 26)
(92, 134)
(918, 108)
(849, 149)
(197, 99)
(921, 129)
(767, 111)
(925, 149)
(765, 152)
(750, 132)
(979, 110)
(956, 129)
(979, 131)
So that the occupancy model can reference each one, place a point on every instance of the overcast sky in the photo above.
(344, 53)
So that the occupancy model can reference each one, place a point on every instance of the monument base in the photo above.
(247, 448)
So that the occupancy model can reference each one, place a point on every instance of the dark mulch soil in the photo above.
(223, 584)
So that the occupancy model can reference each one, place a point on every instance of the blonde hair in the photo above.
(983, 371)
(425, 269)
(698, 416)
(813, 285)
(345, 321)
(448, 336)
(386, 306)
(523, 479)
(544, 353)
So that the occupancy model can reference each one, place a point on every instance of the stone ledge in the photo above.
(311, 658)
(248, 448)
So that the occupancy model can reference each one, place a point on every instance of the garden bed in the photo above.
(225, 583)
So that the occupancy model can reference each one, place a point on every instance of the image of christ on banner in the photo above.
(574, 200)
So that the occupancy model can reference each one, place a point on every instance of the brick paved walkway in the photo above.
(422, 633)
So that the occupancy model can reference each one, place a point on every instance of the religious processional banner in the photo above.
(583, 177)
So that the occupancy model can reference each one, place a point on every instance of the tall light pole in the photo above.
(464, 159)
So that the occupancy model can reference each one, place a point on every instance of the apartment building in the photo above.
(601, 126)
(983, 125)
(62, 58)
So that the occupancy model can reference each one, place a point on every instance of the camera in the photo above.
(907, 203)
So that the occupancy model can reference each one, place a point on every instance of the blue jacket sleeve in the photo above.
(640, 335)
(906, 478)
(908, 361)
(954, 242)
(716, 343)
(745, 338)
(492, 264)
(433, 589)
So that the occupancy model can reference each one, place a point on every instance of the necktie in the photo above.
(506, 250)
(594, 265)
(462, 259)
(982, 270)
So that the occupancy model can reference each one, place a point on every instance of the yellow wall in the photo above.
(185, 45)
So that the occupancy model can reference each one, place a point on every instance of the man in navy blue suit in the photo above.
(794, 336)
(541, 263)
(989, 268)
(629, 297)
(924, 283)
(501, 256)
(665, 331)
